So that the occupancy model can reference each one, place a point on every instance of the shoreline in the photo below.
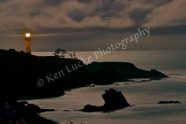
(142, 95)
(22, 66)
(48, 76)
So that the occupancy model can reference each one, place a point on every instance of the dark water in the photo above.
(143, 96)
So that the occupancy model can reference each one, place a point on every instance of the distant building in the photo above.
(27, 43)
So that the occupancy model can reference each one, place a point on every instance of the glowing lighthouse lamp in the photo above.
(27, 43)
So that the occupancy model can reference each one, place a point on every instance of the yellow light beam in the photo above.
(27, 35)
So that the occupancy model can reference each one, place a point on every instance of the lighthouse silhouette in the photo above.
(27, 43)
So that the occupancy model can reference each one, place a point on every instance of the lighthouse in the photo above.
(27, 43)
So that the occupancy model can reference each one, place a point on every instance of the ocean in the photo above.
(142, 96)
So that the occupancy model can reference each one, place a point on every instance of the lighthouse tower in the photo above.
(27, 43)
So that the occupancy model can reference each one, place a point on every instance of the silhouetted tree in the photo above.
(60, 53)
(72, 55)
(64, 54)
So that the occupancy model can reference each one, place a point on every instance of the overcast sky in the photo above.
(92, 24)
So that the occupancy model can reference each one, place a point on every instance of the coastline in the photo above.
(75, 100)
(142, 96)
(50, 76)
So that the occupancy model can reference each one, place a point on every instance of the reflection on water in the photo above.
(143, 96)
(160, 60)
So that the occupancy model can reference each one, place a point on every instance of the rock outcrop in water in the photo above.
(36, 109)
(113, 100)
(169, 102)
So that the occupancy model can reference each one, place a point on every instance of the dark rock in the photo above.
(47, 76)
(23, 102)
(113, 100)
(169, 102)
(91, 85)
(50, 76)
(110, 72)
(92, 108)
(36, 109)
(13, 112)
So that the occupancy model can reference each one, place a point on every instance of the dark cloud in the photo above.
(104, 20)
(168, 14)
(77, 15)
(85, 1)
(2, 1)
(83, 13)
(52, 2)
(139, 16)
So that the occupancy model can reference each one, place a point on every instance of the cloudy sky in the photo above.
(92, 24)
